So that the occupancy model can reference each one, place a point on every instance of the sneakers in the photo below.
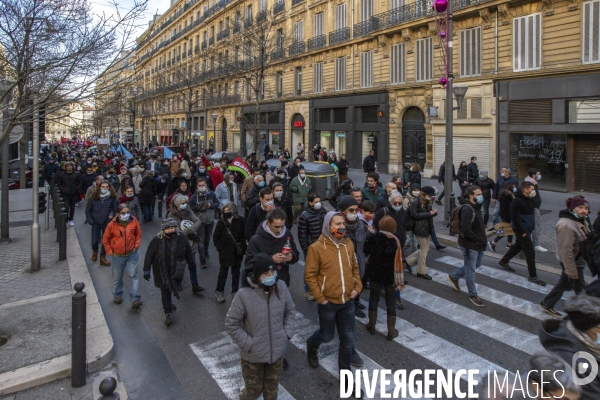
(311, 354)
(219, 297)
(136, 304)
(356, 361)
(454, 283)
(71, 223)
(424, 276)
(359, 313)
(399, 305)
(540, 249)
(197, 289)
(438, 202)
(168, 319)
(551, 311)
(492, 246)
(308, 296)
(117, 300)
(361, 306)
(476, 300)
(536, 280)
(506, 266)
(440, 247)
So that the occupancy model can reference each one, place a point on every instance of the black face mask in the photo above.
(169, 235)
(228, 215)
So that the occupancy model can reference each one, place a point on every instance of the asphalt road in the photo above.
(440, 328)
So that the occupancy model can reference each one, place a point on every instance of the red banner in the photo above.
(239, 165)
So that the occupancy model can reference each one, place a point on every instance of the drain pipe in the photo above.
(496, 43)
(352, 37)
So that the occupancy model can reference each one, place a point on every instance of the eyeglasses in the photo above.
(397, 203)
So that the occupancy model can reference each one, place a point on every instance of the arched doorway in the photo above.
(224, 135)
(414, 149)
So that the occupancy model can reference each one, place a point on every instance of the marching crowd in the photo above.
(375, 235)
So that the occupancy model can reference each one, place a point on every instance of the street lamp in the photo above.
(214, 119)
(5, 86)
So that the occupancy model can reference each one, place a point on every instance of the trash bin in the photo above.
(322, 178)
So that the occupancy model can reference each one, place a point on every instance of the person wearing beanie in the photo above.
(260, 321)
(422, 212)
(577, 334)
(571, 229)
(331, 256)
(165, 259)
(385, 271)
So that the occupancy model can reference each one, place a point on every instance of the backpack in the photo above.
(454, 224)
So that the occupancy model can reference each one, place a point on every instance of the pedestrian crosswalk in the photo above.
(220, 356)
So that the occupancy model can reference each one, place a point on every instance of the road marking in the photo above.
(221, 357)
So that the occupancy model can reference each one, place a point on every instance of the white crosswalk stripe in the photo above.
(221, 357)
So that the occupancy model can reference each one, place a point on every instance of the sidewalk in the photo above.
(35, 307)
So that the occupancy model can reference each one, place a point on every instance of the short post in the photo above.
(452, 207)
(61, 223)
(107, 388)
(47, 214)
(78, 339)
(62, 243)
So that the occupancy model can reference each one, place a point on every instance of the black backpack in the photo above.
(454, 224)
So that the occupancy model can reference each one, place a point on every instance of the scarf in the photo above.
(103, 196)
(266, 228)
(398, 267)
(585, 339)
(163, 252)
(373, 189)
(530, 179)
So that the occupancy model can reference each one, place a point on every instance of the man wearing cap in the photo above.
(571, 229)
(167, 249)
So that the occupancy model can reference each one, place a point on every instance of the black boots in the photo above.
(313, 358)
(392, 331)
(372, 322)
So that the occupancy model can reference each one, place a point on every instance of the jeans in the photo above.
(97, 233)
(472, 261)
(235, 277)
(147, 211)
(564, 285)
(160, 207)
(525, 244)
(127, 264)
(498, 238)
(535, 235)
(486, 211)
(332, 316)
(204, 234)
(165, 297)
(390, 297)
(434, 238)
(70, 200)
(496, 213)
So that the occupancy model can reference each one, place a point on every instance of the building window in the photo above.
(397, 64)
(476, 111)
(318, 25)
(591, 32)
(366, 10)
(299, 31)
(248, 90)
(470, 52)
(366, 69)
(424, 59)
(394, 4)
(298, 81)
(527, 42)
(340, 16)
(318, 77)
(340, 73)
(279, 83)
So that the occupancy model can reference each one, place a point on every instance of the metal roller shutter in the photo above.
(587, 163)
(464, 149)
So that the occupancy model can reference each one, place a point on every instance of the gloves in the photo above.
(147, 275)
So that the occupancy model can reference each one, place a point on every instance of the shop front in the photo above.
(352, 125)
(262, 130)
(297, 128)
(552, 125)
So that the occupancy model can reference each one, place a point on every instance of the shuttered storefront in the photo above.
(464, 149)
(587, 163)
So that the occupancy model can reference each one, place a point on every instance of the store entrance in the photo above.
(413, 137)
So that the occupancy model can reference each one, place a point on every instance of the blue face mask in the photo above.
(261, 183)
(269, 280)
(184, 206)
(514, 190)
(104, 191)
(397, 208)
(201, 171)
(538, 177)
(576, 216)
(479, 199)
(480, 176)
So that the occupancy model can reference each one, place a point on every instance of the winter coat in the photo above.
(414, 178)
(161, 187)
(472, 172)
(264, 242)
(254, 218)
(472, 229)
(570, 231)
(462, 176)
(310, 225)
(148, 190)
(164, 169)
(252, 197)
(186, 214)
(97, 212)
(87, 180)
(399, 217)
(288, 209)
(69, 184)
(381, 251)
(133, 204)
(183, 252)
(225, 246)
(204, 206)
(538, 198)
(49, 170)
(382, 202)
(558, 339)
(343, 166)
(423, 219)
(294, 171)
(175, 182)
(260, 324)
(505, 200)
(216, 176)
(331, 271)
(503, 181)
(223, 194)
(369, 164)
(367, 194)
(114, 181)
(174, 167)
(122, 240)
(300, 189)
(246, 186)
(487, 185)
(442, 172)
(152, 165)
(358, 237)
(184, 164)
(522, 214)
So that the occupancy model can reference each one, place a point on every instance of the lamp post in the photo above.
(214, 119)
(5, 86)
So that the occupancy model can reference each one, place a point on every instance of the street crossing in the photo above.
(220, 356)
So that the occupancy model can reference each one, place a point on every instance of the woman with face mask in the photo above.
(122, 240)
(100, 209)
(260, 321)
(506, 197)
(281, 201)
(422, 212)
(132, 202)
(462, 176)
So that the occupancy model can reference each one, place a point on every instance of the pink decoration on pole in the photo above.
(443, 34)
(443, 81)
(440, 5)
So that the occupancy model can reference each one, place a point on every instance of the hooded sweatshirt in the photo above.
(331, 270)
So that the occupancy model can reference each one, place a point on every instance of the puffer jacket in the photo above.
(260, 324)
(381, 251)
(183, 252)
(300, 189)
(558, 339)
(331, 271)
(69, 184)
(423, 219)
(204, 206)
(310, 225)
(570, 231)
(97, 212)
(147, 190)
(122, 239)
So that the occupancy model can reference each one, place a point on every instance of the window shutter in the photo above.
(299, 31)
(424, 59)
(340, 16)
(527, 42)
(397, 64)
(476, 108)
(366, 10)
(591, 32)
(318, 77)
(366, 69)
(319, 25)
(340, 73)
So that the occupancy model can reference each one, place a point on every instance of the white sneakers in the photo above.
(73, 224)
(540, 249)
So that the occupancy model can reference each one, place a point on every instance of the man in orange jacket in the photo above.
(121, 239)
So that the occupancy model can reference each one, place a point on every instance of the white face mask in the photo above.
(124, 217)
(317, 205)
(416, 193)
(278, 195)
(351, 217)
(532, 194)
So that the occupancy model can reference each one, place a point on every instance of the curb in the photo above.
(100, 346)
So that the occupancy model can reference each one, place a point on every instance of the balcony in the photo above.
(184, 55)
(277, 55)
(261, 16)
(169, 63)
(296, 48)
(178, 58)
(211, 41)
(296, 2)
(279, 7)
(224, 34)
(221, 100)
(317, 42)
(189, 52)
(236, 27)
(247, 23)
(197, 49)
(204, 45)
(339, 36)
